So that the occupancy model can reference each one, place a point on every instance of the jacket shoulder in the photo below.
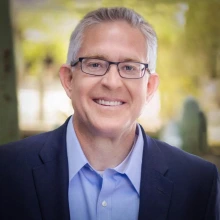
(27, 150)
(183, 162)
(174, 153)
(21, 150)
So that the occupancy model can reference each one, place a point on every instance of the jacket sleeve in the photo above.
(213, 206)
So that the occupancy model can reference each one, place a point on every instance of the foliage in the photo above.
(187, 33)
(8, 97)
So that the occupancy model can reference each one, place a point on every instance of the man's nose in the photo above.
(112, 79)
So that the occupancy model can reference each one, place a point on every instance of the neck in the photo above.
(104, 152)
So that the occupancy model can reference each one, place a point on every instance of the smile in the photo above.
(108, 103)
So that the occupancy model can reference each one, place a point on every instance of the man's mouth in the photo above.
(108, 103)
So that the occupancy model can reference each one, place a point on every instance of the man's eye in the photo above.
(129, 67)
(94, 65)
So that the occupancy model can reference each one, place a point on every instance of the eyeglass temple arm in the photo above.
(146, 68)
(73, 63)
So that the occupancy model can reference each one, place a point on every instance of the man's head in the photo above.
(115, 14)
(106, 99)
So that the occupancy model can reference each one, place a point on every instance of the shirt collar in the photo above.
(76, 157)
(131, 166)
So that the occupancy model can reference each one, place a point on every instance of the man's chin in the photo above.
(112, 130)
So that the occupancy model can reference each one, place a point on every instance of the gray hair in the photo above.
(115, 14)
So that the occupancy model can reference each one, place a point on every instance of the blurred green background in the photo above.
(37, 33)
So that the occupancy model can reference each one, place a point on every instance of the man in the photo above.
(100, 164)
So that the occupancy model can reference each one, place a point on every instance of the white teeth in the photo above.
(109, 103)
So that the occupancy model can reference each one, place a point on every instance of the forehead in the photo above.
(114, 40)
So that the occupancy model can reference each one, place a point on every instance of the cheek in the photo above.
(79, 94)
(141, 92)
(139, 99)
(75, 95)
(143, 99)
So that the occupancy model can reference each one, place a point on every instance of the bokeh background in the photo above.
(34, 40)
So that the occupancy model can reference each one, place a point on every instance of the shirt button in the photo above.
(104, 203)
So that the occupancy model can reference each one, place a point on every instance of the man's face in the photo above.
(109, 105)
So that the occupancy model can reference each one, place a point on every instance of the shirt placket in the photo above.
(104, 204)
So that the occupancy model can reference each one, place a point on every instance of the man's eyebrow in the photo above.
(97, 57)
(102, 57)
(130, 60)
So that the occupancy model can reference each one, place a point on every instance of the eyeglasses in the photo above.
(99, 67)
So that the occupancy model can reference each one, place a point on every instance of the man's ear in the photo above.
(153, 82)
(66, 78)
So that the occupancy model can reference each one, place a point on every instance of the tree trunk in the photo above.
(8, 99)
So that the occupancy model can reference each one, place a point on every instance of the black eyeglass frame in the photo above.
(80, 59)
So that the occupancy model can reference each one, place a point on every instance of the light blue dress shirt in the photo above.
(110, 195)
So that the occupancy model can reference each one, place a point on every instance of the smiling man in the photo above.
(100, 164)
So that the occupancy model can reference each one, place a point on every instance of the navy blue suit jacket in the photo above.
(34, 181)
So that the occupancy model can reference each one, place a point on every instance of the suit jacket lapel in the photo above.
(155, 189)
(51, 178)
